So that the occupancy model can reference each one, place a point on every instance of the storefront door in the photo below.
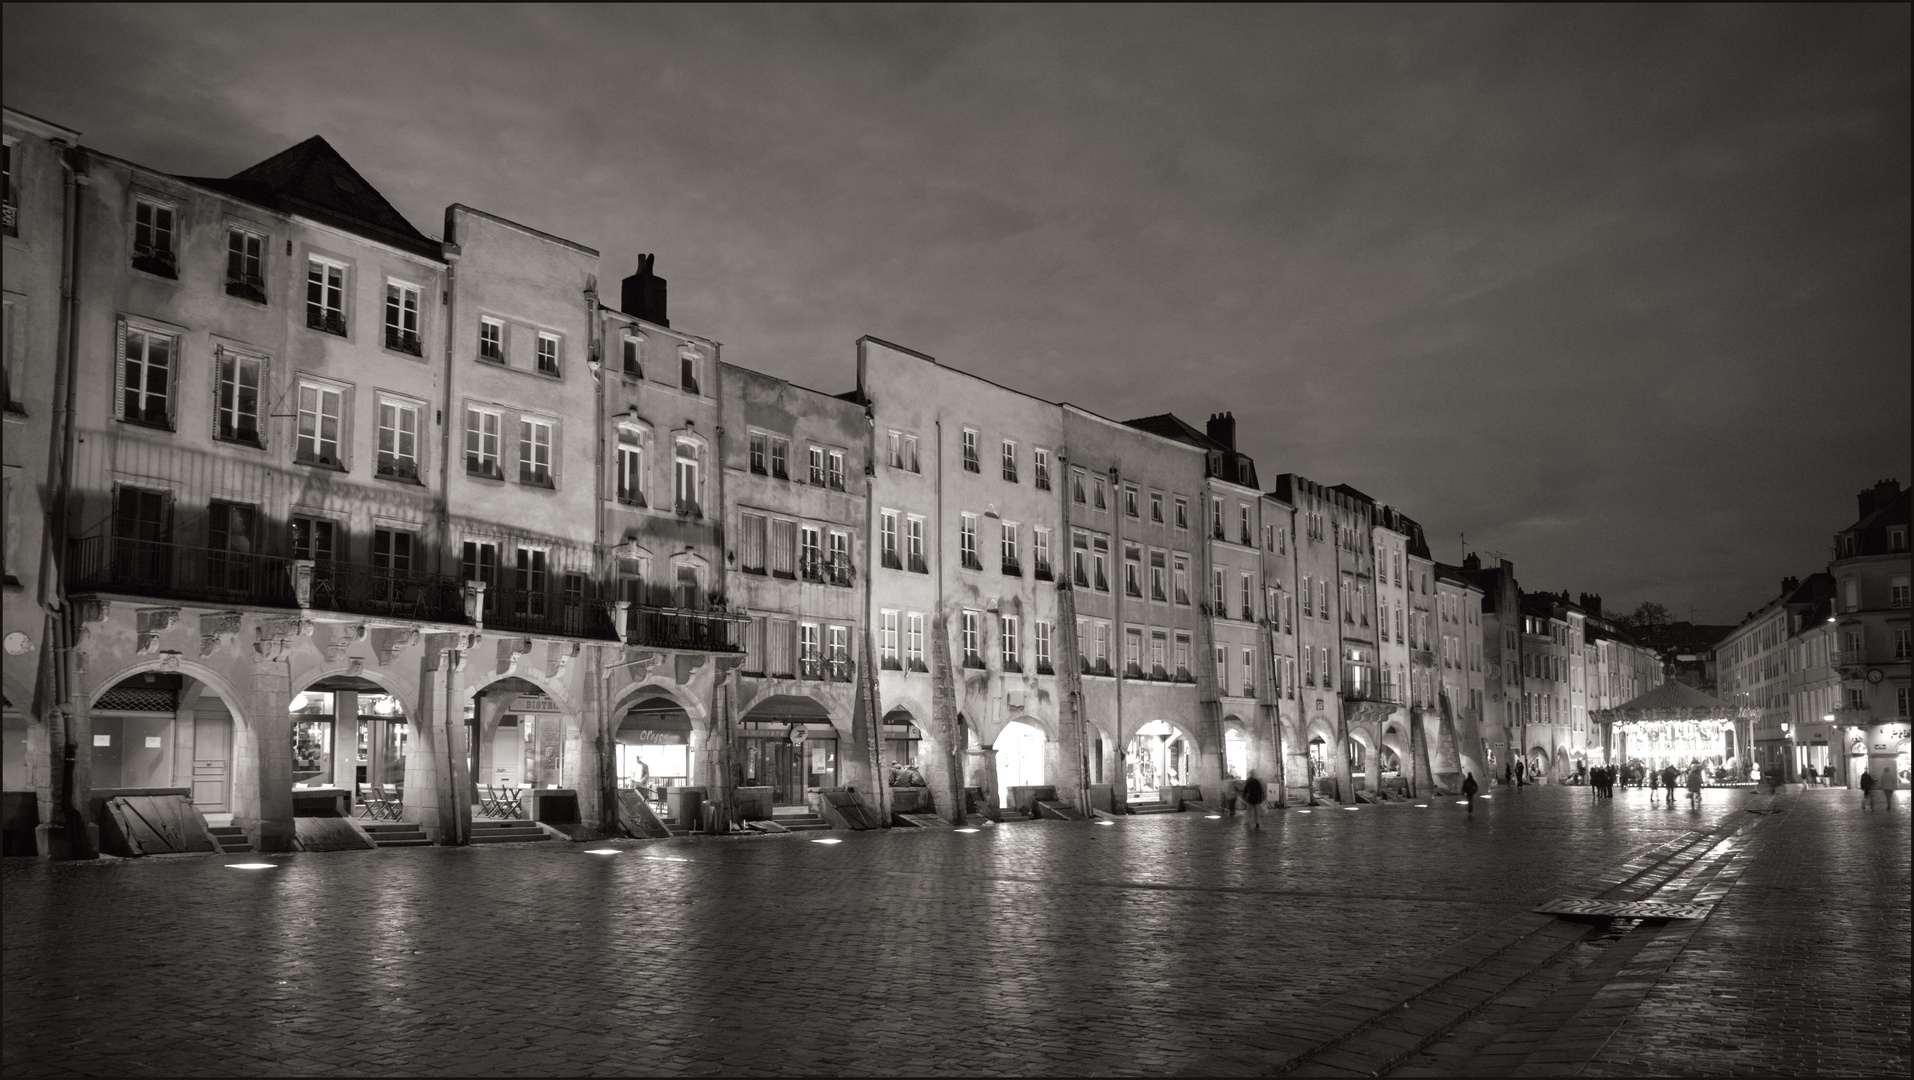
(212, 754)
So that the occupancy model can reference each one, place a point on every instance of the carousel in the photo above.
(1676, 724)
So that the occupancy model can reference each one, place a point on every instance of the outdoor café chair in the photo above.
(508, 803)
(393, 799)
(489, 805)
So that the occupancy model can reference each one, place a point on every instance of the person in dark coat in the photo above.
(1469, 788)
(1253, 796)
(1867, 790)
(1669, 775)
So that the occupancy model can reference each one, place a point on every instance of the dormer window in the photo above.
(153, 239)
(688, 363)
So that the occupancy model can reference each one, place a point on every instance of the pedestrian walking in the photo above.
(1508, 775)
(1232, 790)
(1469, 790)
(1253, 796)
(1889, 782)
(1668, 777)
(1694, 785)
(1867, 790)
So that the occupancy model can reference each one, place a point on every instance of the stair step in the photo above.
(420, 842)
(510, 836)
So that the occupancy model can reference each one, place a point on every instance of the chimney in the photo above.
(1222, 428)
(1788, 585)
(1471, 561)
(1878, 496)
(643, 295)
(1592, 603)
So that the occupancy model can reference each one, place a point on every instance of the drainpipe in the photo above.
(601, 678)
(450, 249)
(867, 682)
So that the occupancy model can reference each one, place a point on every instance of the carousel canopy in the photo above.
(1673, 701)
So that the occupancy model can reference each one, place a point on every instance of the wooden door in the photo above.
(212, 763)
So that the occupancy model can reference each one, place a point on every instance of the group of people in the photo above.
(1601, 781)
(1670, 776)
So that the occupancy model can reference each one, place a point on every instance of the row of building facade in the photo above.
(1823, 666)
(297, 495)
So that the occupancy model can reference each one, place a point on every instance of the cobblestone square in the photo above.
(1163, 945)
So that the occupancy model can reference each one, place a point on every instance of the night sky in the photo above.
(1622, 293)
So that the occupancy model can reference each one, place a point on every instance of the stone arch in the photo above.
(1022, 749)
(1239, 749)
(1146, 771)
(482, 727)
(407, 700)
(623, 700)
(302, 682)
(246, 797)
(1395, 738)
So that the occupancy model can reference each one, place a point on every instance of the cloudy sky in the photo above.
(1622, 293)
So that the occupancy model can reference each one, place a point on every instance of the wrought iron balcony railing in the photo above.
(246, 287)
(155, 260)
(404, 341)
(172, 572)
(683, 628)
(326, 319)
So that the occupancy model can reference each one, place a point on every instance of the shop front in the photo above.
(1887, 753)
(347, 734)
(790, 757)
(1161, 755)
(654, 751)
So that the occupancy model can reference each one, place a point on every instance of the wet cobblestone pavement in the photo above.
(1169, 944)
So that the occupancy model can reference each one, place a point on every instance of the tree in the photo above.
(1649, 616)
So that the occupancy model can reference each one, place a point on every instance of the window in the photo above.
(326, 297)
(147, 379)
(914, 641)
(491, 340)
(535, 452)
(1897, 592)
(1900, 701)
(1159, 648)
(1096, 492)
(816, 456)
(688, 370)
(398, 439)
(634, 357)
(1007, 632)
(1182, 657)
(1181, 579)
(1010, 461)
(1133, 570)
(781, 645)
(1902, 648)
(1217, 598)
(971, 463)
(320, 411)
(1249, 673)
(973, 639)
(1041, 632)
(402, 317)
(1308, 604)
(631, 466)
(685, 470)
(7, 195)
(481, 443)
(689, 588)
(887, 539)
(837, 654)
(834, 470)
(810, 553)
(1040, 468)
(313, 538)
(1216, 517)
(229, 546)
(531, 583)
(810, 651)
(239, 381)
(894, 445)
(1851, 593)
(245, 276)
(1282, 540)
(783, 548)
(1342, 599)
(751, 543)
(1309, 666)
(1100, 561)
(1080, 559)
(1222, 670)
(1131, 506)
(478, 561)
(910, 453)
(547, 354)
(1011, 564)
(780, 458)
(1244, 535)
(1248, 598)
(153, 239)
(759, 452)
(1076, 486)
(887, 645)
(1156, 507)
(1132, 651)
(1040, 552)
(914, 544)
(1182, 514)
(1322, 598)
(391, 558)
(1157, 575)
(967, 542)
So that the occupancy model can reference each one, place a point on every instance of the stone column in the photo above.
(262, 760)
(1345, 778)
(345, 743)
(437, 780)
(487, 709)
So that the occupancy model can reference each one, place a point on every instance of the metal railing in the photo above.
(172, 572)
(246, 287)
(404, 341)
(332, 322)
(156, 260)
(683, 628)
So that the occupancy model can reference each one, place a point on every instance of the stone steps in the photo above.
(1152, 807)
(509, 831)
(396, 834)
(231, 839)
(802, 822)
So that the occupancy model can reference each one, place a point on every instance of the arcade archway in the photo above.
(1160, 755)
(169, 729)
(653, 741)
(1235, 751)
(1020, 752)
(787, 743)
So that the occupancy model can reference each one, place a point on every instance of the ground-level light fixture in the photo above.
(967, 829)
(827, 840)
(601, 851)
(1350, 808)
(251, 866)
(1305, 811)
(1099, 821)
(1214, 817)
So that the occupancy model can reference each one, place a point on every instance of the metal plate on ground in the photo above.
(1624, 909)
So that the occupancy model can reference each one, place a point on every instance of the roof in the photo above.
(1672, 700)
(312, 180)
(1172, 426)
